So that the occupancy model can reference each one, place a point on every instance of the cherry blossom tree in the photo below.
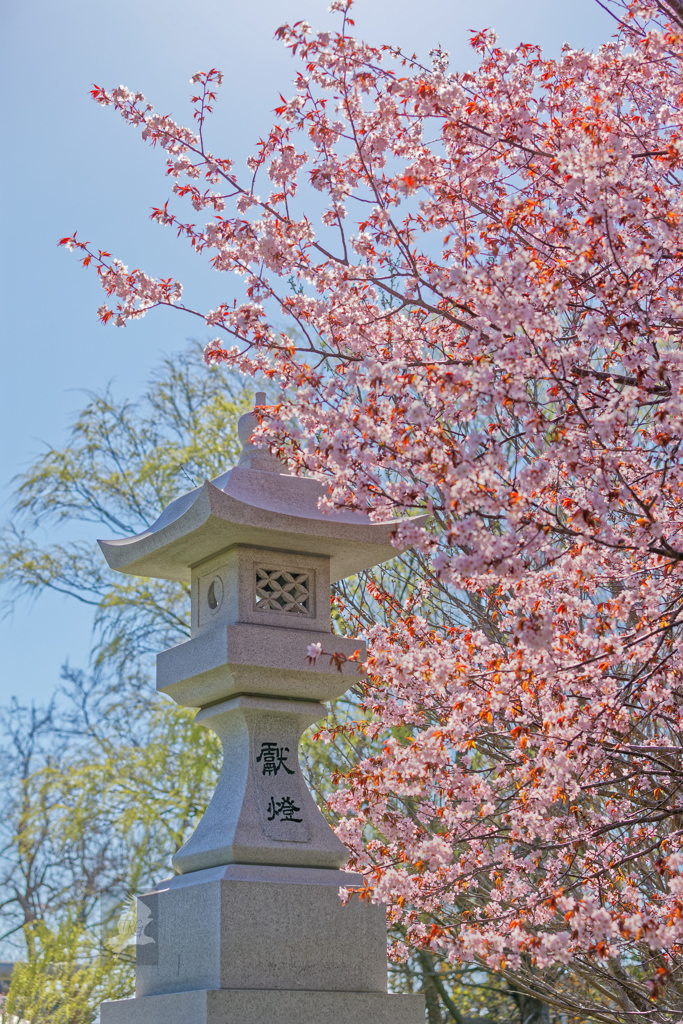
(473, 284)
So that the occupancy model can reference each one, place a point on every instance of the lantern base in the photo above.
(259, 944)
(258, 1006)
(245, 926)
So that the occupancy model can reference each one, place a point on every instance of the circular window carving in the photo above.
(214, 595)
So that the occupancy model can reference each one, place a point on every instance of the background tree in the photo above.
(102, 786)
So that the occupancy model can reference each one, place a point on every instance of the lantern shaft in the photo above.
(261, 811)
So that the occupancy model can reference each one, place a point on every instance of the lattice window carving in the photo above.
(282, 591)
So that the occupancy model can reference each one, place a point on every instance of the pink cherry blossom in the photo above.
(313, 652)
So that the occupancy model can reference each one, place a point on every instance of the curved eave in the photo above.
(216, 521)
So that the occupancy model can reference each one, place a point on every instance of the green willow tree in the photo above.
(104, 784)
(109, 779)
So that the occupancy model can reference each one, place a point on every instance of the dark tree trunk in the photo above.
(434, 1011)
(531, 1010)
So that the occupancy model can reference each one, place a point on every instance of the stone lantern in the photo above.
(252, 928)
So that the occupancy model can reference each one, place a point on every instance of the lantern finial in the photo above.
(256, 456)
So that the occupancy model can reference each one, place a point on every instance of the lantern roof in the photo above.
(255, 503)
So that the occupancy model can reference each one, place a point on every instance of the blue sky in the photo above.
(71, 164)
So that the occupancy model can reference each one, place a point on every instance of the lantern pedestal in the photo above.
(252, 929)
